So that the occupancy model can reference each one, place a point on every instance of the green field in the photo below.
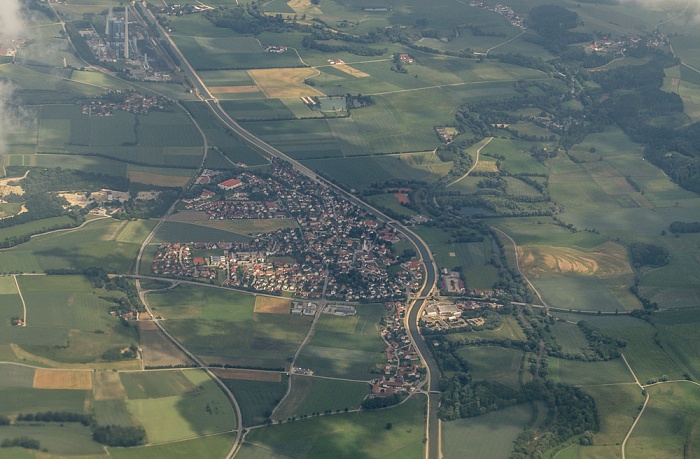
(647, 359)
(509, 329)
(317, 395)
(16, 376)
(112, 412)
(190, 232)
(156, 384)
(218, 136)
(26, 400)
(346, 347)
(678, 336)
(256, 399)
(389, 201)
(252, 110)
(617, 406)
(67, 249)
(580, 373)
(266, 341)
(68, 439)
(489, 436)
(350, 435)
(214, 446)
(34, 227)
(577, 293)
(570, 337)
(193, 302)
(669, 425)
(493, 364)
(67, 320)
(165, 138)
(182, 417)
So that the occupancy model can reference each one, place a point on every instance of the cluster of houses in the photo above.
(334, 242)
(275, 49)
(514, 18)
(179, 10)
(608, 44)
(241, 199)
(403, 370)
(133, 102)
(177, 259)
(446, 134)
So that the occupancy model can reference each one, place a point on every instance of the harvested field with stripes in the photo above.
(270, 305)
(62, 379)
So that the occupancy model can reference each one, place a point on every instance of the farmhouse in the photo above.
(275, 49)
(406, 58)
(230, 184)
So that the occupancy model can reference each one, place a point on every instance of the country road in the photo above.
(476, 162)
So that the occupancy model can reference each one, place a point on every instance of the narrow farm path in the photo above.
(24, 305)
(504, 43)
(517, 265)
(296, 355)
(476, 162)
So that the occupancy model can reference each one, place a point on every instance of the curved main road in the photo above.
(433, 374)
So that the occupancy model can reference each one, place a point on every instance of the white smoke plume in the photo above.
(12, 26)
(11, 19)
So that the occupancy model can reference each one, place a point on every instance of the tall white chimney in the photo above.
(126, 32)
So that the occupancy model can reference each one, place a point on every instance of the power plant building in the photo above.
(117, 35)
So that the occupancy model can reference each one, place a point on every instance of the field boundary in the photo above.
(21, 297)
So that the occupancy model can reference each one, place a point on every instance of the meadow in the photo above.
(256, 399)
(232, 53)
(209, 446)
(68, 321)
(570, 337)
(266, 341)
(509, 329)
(233, 148)
(67, 249)
(359, 172)
(187, 415)
(577, 293)
(156, 384)
(171, 231)
(27, 400)
(194, 302)
(677, 334)
(69, 439)
(647, 359)
(493, 364)
(668, 426)
(489, 436)
(346, 435)
(580, 373)
(316, 395)
(346, 347)
(617, 407)
(112, 412)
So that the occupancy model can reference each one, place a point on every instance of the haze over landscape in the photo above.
(349, 228)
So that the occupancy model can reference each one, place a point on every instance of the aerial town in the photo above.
(335, 247)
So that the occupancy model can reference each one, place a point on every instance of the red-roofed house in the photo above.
(230, 184)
